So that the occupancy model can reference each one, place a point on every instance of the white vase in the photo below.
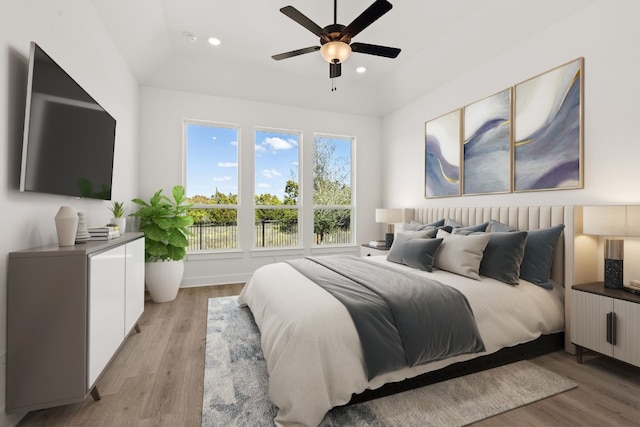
(66, 226)
(120, 222)
(163, 279)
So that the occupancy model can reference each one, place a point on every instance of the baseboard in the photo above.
(223, 279)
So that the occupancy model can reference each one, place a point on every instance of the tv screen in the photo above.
(69, 138)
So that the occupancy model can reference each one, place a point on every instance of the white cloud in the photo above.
(227, 164)
(270, 173)
(279, 143)
(264, 185)
(234, 143)
(260, 148)
(221, 178)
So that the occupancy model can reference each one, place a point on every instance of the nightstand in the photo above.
(366, 250)
(606, 321)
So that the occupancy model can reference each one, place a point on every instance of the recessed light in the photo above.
(361, 70)
(214, 41)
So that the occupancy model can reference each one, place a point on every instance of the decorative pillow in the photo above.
(471, 229)
(538, 255)
(414, 252)
(415, 225)
(497, 226)
(452, 223)
(461, 254)
(417, 234)
(503, 255)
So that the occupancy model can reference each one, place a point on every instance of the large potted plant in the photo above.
(165, 224)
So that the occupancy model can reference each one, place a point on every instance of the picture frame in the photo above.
(487, 156)
(548, 130)
(443, 155)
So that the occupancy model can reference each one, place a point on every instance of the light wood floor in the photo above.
(156, 379)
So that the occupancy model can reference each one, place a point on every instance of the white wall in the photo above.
(72, 33)
(162, 113)
(606, 35)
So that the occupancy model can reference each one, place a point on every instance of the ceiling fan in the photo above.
(335, 39)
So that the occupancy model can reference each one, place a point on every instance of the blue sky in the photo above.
(212, 160)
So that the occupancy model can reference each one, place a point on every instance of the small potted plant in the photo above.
(118, 211)
(165, 224)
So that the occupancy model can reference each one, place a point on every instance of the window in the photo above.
(276, 189)
(212, 184)
(332, 190)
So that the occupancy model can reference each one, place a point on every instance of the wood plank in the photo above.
(156, 379)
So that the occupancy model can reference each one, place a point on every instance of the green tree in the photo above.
(331, 187)
(215, 216)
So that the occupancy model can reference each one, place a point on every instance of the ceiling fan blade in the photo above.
(374, 49)
(366, 18)
(335, 70)
(301, 19)
(293, 53)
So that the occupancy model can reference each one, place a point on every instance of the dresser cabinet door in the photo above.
(134, 293)
(106, 309)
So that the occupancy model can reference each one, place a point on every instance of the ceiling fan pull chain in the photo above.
(333, 84)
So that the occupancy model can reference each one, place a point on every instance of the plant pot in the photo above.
(163, 279)
(121, 223)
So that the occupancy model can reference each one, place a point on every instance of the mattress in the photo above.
(313, 352)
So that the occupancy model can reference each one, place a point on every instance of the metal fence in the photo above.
(267, 234)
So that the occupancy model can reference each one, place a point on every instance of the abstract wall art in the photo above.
(548, 130)
(487, 145)
(442, 155)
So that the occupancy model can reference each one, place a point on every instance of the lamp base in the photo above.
(613, 273)
(388, 239)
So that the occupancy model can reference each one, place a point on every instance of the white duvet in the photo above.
(313, 351)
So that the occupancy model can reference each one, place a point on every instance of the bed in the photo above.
(313, 351)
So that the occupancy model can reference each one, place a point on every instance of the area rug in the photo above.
(236, 385)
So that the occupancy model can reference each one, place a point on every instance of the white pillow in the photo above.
(461, 254)
(419, 234)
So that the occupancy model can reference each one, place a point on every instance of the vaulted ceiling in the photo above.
(439, 40)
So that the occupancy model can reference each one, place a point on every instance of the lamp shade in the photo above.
(611, 220)
(389, 216)
(335, 52)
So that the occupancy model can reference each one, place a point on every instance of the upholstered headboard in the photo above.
(525, 218)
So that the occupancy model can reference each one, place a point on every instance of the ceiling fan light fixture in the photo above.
(335, 52)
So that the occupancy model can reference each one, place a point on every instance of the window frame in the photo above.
(352, 179)
(238, 206)
(299, 202)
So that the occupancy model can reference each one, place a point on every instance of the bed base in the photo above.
(543, 345)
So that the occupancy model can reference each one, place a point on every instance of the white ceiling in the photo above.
(439, 40)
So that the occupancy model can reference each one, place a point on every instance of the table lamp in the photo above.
(389, 217)
(612, 221)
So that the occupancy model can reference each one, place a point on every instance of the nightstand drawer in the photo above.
(366, 250)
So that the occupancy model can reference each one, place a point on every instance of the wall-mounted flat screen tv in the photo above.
(69, 138)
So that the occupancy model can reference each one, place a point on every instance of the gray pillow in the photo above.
(538, 255)
(415, 252)
(461, 254)
(471, 229)
(415, 225)
(503, 256)
(499, 227)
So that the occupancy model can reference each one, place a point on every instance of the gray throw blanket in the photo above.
(402, 319)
